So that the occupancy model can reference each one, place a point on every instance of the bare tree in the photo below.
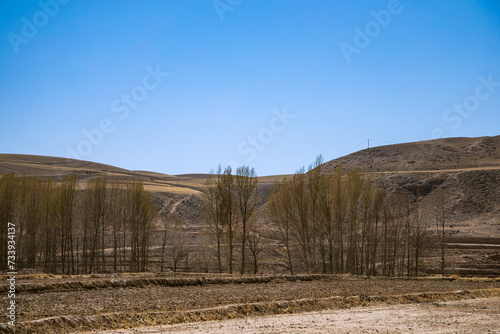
(65, 204)
(178, 240)
(9, 185)
(279, 212)
(212, 211)
(256, 244)
(354, 184)
(141, 214)
(229, 212)
(30, 210)
(246, 200)
(116, 215)
(339, 202)
(169, 220)
(205, 252)
(315, 189)
(440, 216)
(49, 225)
(420, 236)
(94, 212)
(300, 220)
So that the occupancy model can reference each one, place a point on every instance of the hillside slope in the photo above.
(467, 169)
(431, 155)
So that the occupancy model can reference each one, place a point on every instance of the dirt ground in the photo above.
(32, 306)
(464, 316)
(41, 309)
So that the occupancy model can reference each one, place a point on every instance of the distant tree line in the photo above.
(229, 204)
(324, 223)
(62, 230)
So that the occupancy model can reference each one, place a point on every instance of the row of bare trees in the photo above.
(343, 223)
(324, 222)
(229, 204)
(60, 229)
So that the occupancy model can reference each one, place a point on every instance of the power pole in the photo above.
(369, 155)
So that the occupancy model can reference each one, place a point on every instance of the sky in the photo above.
(182, 86)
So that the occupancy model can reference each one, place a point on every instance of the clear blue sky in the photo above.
(181, 86)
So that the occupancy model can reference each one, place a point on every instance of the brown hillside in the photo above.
(432, 155)
(57, 168)
(468, 169)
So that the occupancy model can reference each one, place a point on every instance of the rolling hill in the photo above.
(432, 155)
(468, 169)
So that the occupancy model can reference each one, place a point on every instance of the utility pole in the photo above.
(369, 155)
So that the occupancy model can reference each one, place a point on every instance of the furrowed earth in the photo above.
(474, 316)
(84, 303)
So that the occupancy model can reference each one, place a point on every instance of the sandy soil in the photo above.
(464, 316)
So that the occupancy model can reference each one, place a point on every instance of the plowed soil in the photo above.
(38, 306)
(475, 316)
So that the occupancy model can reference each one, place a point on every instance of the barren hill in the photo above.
(58, 168)
(467, 169)
(431, 155)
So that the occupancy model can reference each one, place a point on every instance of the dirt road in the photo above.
(464, 316)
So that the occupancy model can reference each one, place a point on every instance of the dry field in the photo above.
(475, 316)
(62, 305)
